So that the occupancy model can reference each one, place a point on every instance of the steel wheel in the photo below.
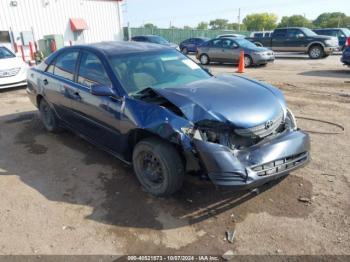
(48, 117)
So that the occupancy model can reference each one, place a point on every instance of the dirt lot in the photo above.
(61, 195)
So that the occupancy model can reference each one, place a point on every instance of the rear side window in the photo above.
(216, 43)
(258, 35)
(280, 33)
(65, 65)
(92, 71)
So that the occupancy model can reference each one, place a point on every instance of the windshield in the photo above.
(165, 69)
(245, 43)
(346, 31)
(158, 40)
(5, 53)
(308, 32)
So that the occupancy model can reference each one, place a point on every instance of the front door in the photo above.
(231, 51)
(99, 116)
(296, 41)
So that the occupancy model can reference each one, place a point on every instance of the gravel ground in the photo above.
(61, 195)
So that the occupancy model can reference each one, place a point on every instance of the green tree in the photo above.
(218, 24)
(187, 27)
(260, 21)
(295, 20)
(150, 26)
(335, 19)
(203, 25)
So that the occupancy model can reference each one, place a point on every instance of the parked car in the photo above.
(259, 34)
(341, 33)
(299, 39)
(190, 45)
(13, 71)
(346, 56)
(231, 35)
(227, 50)
(154, 108)
(154, 39)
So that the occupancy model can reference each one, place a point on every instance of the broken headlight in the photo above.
(290, 121)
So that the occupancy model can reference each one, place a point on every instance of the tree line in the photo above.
(268, 21)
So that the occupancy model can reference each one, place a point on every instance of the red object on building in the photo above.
(53, 46)
(31, 50)
(15, 47)
(78, 24)
(22, 53)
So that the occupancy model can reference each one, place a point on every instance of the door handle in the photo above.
(45, 82)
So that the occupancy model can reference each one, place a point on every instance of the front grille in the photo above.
(9, 72)
(262, 130)
(281, 165)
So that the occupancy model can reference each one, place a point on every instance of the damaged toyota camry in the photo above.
(159, 111)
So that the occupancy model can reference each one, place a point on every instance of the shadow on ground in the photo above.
(116, 196)
(328, 73)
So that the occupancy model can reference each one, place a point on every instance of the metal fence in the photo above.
(177, 35)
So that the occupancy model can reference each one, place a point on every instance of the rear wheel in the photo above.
(158, 167)
(316, 52)
(204, 59)
(48, 117)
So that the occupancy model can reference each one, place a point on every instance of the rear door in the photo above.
(58, 83)
(216, 52)
(98, 116)
(278, 40)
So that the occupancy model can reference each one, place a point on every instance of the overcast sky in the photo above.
(191, 12)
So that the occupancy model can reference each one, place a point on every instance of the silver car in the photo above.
(227, 50)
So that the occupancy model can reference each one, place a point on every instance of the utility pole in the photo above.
(239, 19)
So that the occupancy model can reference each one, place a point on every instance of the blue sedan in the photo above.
(153, 107)
(190, 45)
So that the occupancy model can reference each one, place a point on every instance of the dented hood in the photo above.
(239, 101)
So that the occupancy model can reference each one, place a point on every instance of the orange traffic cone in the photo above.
(241, 63)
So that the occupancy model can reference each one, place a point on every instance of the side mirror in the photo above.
(100, 90)
(300, 35)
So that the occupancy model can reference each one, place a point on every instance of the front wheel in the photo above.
(48, 117)
(158, 167)
(248, 61)
(316, 52)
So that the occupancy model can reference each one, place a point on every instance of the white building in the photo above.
(84, 21)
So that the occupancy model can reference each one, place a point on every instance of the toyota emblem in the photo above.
(268, 124)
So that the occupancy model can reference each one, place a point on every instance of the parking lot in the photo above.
(61, 195)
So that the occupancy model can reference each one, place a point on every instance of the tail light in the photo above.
(348, 41)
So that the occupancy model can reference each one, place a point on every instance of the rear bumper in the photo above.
(257, 165)
(331, 50)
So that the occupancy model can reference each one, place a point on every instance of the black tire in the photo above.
(158, 167)
(48, 117)
(184, 51)
(248, 61)
(316, 52)
(258, 44)
(204, 59)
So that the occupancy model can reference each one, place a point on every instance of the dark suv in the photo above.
(341, 33)
(299, 39)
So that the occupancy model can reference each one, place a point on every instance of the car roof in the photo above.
(123, 47)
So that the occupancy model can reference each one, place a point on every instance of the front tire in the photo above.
(158, 167)
(184, 51)
(204, 59)
(48, 117)
(316, 52)
(248, 61)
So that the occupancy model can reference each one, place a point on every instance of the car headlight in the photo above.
(290, 120)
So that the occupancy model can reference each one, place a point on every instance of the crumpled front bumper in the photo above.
(257, 165)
